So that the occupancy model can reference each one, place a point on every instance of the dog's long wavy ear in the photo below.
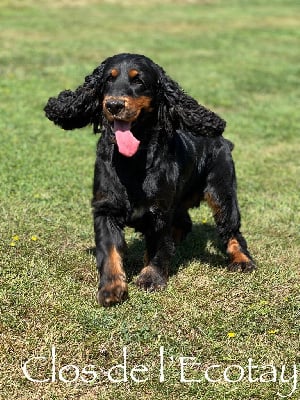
(177, 110)
(76, 109)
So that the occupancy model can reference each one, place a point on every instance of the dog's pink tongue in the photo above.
(127, 143)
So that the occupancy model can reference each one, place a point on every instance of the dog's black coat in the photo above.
(182, 158)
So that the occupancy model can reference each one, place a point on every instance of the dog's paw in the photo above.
(113, 292)
(151, 279)
(248, 266)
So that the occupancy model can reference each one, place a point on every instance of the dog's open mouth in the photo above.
(127, 144)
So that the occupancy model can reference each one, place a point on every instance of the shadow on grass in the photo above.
(194, 247)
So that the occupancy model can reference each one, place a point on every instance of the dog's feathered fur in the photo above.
(181, 158)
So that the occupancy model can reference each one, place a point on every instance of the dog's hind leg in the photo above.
(227, 218)
(220, 194)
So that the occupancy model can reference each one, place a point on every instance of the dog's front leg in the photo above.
(110, 245)
(159, 250)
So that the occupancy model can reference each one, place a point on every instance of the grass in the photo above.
(241, 59)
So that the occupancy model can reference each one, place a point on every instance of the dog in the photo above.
(160, 153)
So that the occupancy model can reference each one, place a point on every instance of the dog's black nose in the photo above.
(114, 106)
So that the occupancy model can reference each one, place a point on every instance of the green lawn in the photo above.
(238, 57)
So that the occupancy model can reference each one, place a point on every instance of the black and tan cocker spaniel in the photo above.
(160, 153)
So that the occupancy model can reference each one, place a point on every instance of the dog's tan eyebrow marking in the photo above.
(114, 72)
(132, 73)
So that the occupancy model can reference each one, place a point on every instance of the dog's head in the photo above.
(129, 96)
(129, 87)
(124, 92)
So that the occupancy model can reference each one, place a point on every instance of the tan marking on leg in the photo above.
(235, 253)
(114, 264)
(115, 289)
